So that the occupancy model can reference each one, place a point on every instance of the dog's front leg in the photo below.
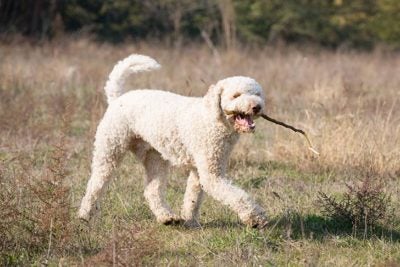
(214, 183)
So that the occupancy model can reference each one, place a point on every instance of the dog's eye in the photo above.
(236, 95)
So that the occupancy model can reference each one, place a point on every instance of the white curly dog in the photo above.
(163, 128)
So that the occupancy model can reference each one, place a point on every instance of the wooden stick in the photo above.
(310, 146)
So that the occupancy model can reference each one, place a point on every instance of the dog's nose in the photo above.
(256, 109)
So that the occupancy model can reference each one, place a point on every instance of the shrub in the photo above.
(364, 206)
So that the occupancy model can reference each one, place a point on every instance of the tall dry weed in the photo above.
(35, 205)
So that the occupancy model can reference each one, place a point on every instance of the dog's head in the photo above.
(237, 100)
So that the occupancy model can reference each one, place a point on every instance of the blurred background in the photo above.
(330, 23)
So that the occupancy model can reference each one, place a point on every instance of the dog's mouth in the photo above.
(243, 123)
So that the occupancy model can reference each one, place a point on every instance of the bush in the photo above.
(364, 206)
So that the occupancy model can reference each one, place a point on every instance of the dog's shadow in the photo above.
(222, 224)
(312, 227)
(316, 227)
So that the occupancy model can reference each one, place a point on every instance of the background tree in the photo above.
(331, 23)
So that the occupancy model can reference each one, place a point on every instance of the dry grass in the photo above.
(51, 99)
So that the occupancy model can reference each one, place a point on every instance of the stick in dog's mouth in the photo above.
(310, 146)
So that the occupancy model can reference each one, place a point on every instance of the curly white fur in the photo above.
(163, 128)
(115, 85)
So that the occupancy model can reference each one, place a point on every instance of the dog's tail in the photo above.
(121, 71)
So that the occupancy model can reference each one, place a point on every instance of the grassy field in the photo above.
(51, 99)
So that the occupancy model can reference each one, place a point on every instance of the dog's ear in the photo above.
(212, 100)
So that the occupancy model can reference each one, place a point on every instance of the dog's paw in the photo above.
(83, 215)
(258, 221)
(88, 214)
(261, 224)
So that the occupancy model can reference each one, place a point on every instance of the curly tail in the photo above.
(121, 71)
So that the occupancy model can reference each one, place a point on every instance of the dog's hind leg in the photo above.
(192, 200)
(155, 187)
(112, 140)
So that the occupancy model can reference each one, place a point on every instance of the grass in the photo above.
(51, 99)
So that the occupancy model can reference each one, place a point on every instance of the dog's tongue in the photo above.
(245, 121)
